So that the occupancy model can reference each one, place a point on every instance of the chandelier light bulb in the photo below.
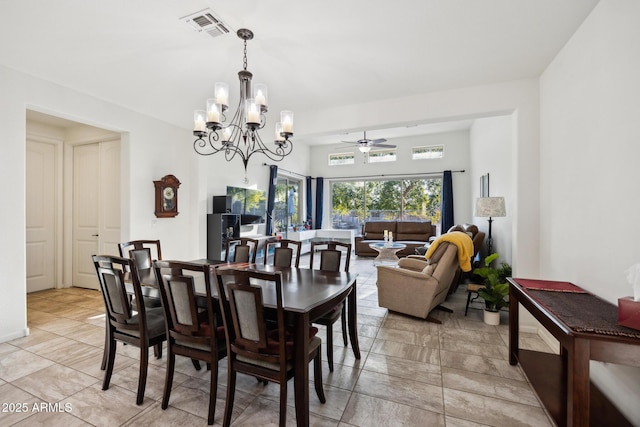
(213, 111)
(222, 94)
(199, 124)
(286, 117)
(260, 95)
(279, 136)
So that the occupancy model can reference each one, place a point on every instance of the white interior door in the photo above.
(109, 226)
(40, 218)
(96, 207)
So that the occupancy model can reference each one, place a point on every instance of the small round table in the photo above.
(387, 252)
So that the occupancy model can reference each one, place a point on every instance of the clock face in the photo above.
(168, 193)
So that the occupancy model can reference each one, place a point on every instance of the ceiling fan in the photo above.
(365, 144)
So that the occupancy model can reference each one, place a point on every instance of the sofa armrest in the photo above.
(412, 263)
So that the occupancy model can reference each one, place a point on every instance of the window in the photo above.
(428, 152)
(341, 159)
(354, 202)
(376, 156)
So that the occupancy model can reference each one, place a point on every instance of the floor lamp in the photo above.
(490, 207)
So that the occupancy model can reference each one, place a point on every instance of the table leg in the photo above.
(352, 316)
(514, 327)
(301, 374)
(578, 383)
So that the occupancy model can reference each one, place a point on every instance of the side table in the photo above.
(387, 252)
(472, 288)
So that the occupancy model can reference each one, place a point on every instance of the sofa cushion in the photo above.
(374, 230)
(413, 231)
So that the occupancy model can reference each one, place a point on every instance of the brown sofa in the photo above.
(414, 234)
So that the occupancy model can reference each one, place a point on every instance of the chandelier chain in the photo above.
(244, 62)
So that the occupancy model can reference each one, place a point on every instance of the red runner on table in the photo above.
(549, 285)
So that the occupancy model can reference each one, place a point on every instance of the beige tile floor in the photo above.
(411, 373)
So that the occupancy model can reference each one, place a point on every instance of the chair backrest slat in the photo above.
(285, 253)
(242, 306)
(186, 318)
(243, 249)
(142, 251)
(331, 255)
(111, 272)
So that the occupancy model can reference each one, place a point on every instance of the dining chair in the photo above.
(142, 251)
(254, 346)
(193, 325)
(331, 255)
(244, 250)
(142, 327)
(284, 253)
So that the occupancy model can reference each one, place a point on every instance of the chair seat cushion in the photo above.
(331, 316)
(155, 323)
(273, 343)
(314, 343)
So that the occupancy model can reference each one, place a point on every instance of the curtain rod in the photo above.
(288, 171)
(393, 175)
(370, 176)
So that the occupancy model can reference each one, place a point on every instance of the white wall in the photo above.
(589, 153)
(491, 152)
(456, 157)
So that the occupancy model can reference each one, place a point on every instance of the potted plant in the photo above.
(496, 288)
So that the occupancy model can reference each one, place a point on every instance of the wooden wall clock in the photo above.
(167, 196)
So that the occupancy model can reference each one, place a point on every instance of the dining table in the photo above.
(307, 295)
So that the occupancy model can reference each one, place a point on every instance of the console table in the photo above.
(586, 327)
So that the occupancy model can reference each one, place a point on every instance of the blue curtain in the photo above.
(319, 191)
(309, 202)
(447, 202)
(271, 199)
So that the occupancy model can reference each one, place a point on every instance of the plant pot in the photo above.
(491, 317)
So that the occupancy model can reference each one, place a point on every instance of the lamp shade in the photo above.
(490, 207)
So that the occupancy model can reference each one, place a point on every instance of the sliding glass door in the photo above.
(355, 202)
(287, 204)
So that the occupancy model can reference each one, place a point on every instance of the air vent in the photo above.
(206, 22)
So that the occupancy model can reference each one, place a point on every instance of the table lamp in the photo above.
(490, 207)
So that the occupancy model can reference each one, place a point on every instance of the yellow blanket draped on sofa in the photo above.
(462, 241)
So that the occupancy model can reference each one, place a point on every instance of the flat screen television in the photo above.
(250, 204)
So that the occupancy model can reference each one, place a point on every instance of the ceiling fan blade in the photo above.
(384, 146)
(377, 141)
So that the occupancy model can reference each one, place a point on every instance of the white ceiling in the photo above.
(313, 55)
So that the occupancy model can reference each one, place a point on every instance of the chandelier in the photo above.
(239, 136)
